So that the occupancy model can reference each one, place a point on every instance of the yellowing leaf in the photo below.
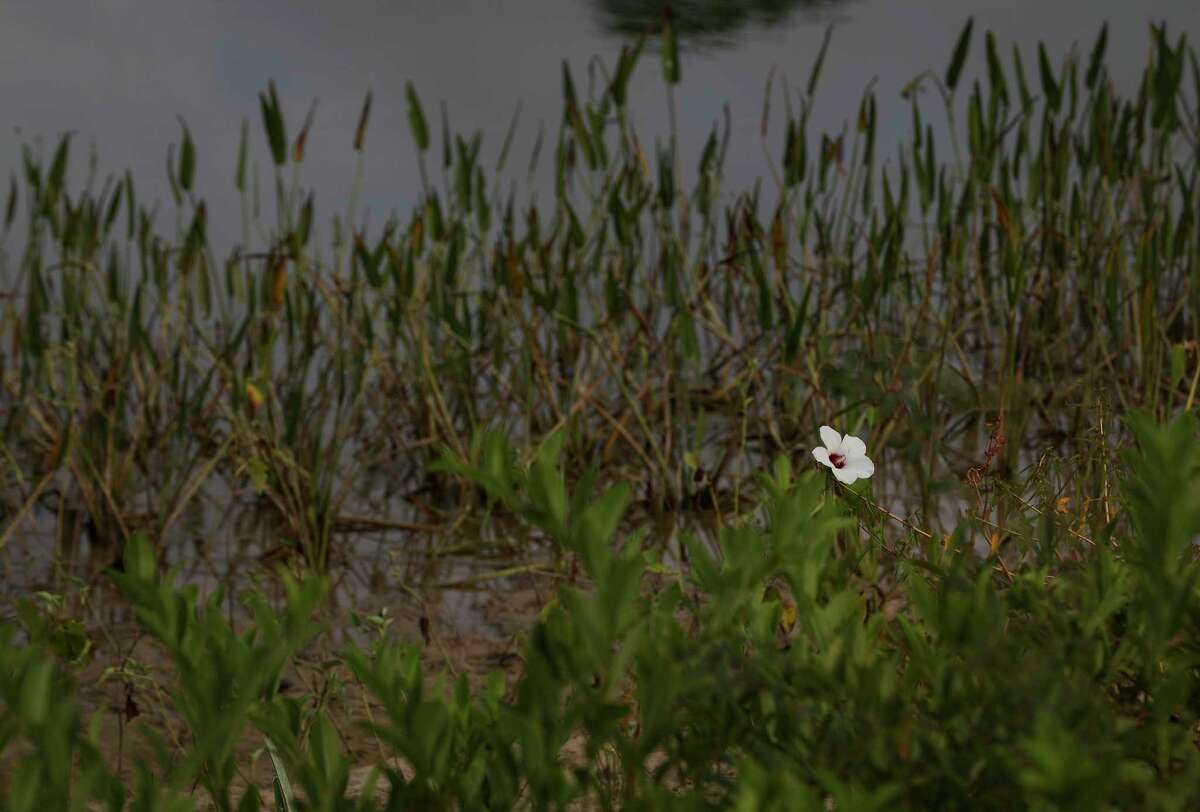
(254, 397)
(787, 620)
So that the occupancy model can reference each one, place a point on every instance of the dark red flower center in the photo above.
(838, 460)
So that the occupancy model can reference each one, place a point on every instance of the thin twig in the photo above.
(888, 513)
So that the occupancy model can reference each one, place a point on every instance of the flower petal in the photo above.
(860, 467)
(822, 456)
(831, 439)
(846, 475)
(853, 447)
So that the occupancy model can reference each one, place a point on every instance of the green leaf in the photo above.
(1049, 84)
(995, 69)
(187, 160)
(1096, 61)
(138, 558)
(601, 518)
(670, 51)
(815, 75)
(10, 211)
(959, 57)
(251, 801)
(575, 119)
(36, 690)
(285, 798)
(1178, 364)
(416, 118)
(273, 123)
(1022, 83)
(625, 65)
(58, 168)
(360, 132)
(548, 489)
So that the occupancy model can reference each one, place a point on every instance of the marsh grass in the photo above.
(1039, 270)
(990, 307)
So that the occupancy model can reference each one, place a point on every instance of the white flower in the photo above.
(847, 456)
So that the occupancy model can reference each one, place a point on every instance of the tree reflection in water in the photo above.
(706, 22)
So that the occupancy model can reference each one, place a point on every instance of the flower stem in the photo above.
(888, 513)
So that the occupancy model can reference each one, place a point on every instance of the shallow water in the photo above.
(118, 73)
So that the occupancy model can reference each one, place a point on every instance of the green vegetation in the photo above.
(1006, 615)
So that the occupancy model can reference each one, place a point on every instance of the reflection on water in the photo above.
(121, 74)
(229, 541)
(706, 22)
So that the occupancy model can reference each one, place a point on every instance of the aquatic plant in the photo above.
(620, 381)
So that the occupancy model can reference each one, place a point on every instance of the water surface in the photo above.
(121, 73)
